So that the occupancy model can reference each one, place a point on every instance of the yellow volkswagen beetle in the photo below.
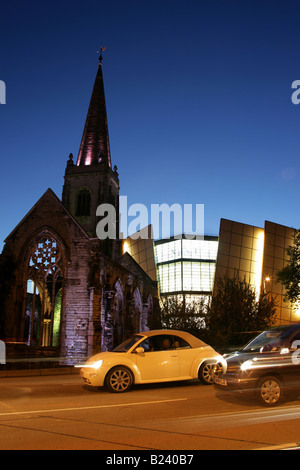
(152, 356)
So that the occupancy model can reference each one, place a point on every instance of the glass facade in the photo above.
(187, 269)
(186, 266)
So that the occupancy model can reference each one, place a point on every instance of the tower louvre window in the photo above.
(83, 203)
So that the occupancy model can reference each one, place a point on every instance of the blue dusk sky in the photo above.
(198, 98)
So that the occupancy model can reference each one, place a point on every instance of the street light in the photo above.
(266, 279)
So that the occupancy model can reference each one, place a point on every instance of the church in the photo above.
(63, 291)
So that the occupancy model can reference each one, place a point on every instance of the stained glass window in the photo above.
(44, 292)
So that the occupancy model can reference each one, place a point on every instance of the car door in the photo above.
(158, 362)
(186, 356)
(292, 372)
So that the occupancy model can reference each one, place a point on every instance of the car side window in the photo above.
(147, 345)
(180, 343)
(167, 343)
(162, 342)
(154, 343)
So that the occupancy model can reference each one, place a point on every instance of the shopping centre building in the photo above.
(258, 254)
(186, 267)
(189, 268)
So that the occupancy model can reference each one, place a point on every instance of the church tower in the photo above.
(65, 292)
(91, 181)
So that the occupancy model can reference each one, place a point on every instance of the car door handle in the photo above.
(174, 355)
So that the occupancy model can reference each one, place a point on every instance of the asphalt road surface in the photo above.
(59, 412)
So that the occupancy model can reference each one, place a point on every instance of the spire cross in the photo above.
(100, 57)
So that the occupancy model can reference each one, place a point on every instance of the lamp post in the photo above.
(266, 279)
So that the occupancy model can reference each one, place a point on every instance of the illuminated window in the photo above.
(198, 276)
(186, 265)
(168, 251)
(199, 249)
(44, 292)
(169, 276)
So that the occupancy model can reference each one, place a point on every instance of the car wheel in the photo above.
(119, 379)
(270, 391)
(205, 373)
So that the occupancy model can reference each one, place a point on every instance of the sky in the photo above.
(198, 97)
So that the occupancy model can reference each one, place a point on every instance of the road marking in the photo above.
(91, 407)
(279, 411)
(289, 446)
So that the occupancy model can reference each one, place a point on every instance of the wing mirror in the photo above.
(139, 350)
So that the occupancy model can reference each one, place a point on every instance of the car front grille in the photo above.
(218, 369)
(233, 367)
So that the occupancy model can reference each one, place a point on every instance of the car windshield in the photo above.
(270, 340)
(127, 344)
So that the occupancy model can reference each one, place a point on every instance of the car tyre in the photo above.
(205, 373)
(119, 380)
(269, 391)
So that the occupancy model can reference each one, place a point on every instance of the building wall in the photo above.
(240, 249)
(277, 240)
(141, 247)
(103, 185)
(49, 217)
(257, 254)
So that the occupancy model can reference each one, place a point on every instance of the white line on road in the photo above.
(239, 418)
(91, 407)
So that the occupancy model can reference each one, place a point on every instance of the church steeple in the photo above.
(92, 180)
(94, 147)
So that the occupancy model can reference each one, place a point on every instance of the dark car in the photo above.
(267, 367)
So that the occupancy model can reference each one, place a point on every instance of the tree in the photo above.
(235, 310)
(289, 276)
(176, 313)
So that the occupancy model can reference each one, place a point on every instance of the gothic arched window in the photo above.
(118, 315)
(137, 310)
(83, 202)
(44, 277)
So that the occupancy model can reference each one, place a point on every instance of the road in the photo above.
(59, 412)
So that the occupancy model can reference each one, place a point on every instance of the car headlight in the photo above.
(97, 364)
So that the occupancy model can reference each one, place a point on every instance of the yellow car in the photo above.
(152, 356)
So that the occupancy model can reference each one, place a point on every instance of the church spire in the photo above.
(94, 147)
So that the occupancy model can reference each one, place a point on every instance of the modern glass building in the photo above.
(257, 253)
(186, 267)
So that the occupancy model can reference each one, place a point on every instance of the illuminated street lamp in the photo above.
(266, 279)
